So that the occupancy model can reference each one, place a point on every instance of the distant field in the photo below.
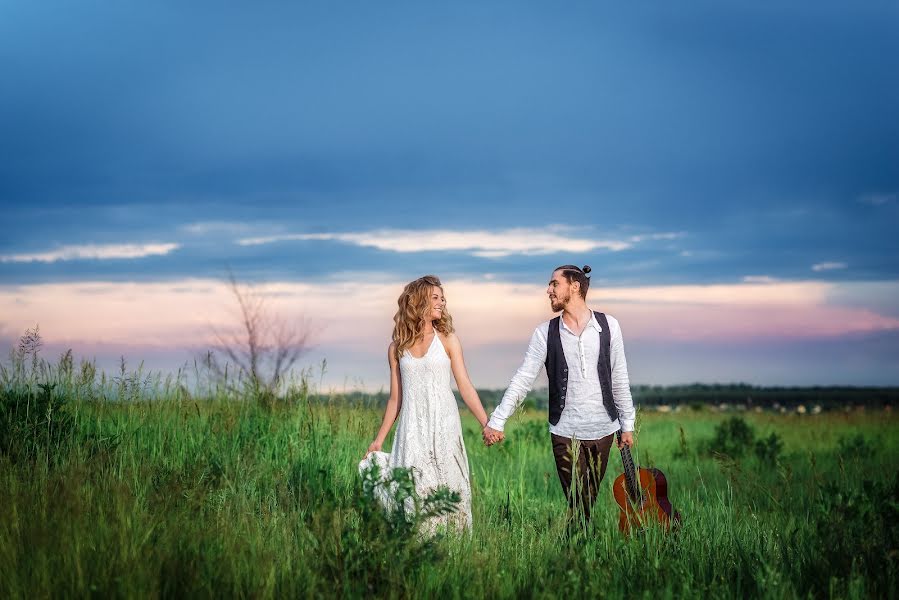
(212, 498)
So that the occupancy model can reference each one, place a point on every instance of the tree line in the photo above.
(697, 395)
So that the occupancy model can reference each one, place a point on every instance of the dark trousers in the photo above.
(592, 457)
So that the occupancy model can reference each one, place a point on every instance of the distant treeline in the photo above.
(828, 398)
(697, 395)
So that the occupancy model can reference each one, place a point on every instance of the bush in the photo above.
(857, 524)
(768, 449)
(406, 511)
(733, 438)
(376, 551)
(855, 447)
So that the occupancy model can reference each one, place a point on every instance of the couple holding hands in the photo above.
(589, 393)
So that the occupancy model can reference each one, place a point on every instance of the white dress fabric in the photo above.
(428, 436)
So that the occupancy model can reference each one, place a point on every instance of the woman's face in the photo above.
(437, 303)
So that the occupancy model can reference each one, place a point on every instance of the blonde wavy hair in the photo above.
(414, 309)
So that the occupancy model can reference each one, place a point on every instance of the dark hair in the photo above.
(572, 273)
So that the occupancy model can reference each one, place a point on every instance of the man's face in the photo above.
(559, 291)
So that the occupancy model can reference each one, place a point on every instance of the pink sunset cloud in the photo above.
(492, 318)
(185, 312)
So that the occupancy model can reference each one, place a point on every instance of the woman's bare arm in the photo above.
(463, 382)
(394, 402)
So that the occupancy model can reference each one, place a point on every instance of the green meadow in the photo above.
(132, 486)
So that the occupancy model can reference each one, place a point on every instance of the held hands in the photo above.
(492, 436)
(626, 439)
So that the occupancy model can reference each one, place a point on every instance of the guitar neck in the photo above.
(630, 474)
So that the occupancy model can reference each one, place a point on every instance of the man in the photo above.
(589, 391)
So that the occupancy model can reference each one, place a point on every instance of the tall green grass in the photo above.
(129, 486)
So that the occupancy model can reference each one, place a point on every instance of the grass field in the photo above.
(178, 496)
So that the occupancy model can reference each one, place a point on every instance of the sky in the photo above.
(730, 171)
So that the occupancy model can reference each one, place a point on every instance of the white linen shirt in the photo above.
(584, 416)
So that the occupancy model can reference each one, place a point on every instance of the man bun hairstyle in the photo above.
(582, 275)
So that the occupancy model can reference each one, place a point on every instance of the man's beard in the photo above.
(559, 303)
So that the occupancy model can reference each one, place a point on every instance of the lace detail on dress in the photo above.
(428, 436)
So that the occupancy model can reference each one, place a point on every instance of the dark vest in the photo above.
(557, 369)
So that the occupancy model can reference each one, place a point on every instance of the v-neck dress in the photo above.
(428, 436)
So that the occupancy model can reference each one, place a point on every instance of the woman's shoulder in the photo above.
(448, 336)
(449, 339)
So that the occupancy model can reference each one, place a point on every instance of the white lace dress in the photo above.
(428, 435)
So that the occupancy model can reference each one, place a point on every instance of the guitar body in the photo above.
(661, 498)
(642, 495)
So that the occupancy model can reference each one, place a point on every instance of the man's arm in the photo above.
(621, 385)
(522, 381)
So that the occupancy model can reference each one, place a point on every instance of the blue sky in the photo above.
(698, 144)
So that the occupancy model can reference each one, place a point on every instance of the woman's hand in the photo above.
(375, 447)
(492, 436)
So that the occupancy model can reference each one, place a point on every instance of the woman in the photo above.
(428, 437)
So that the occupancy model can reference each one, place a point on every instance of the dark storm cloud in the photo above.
(754, 128)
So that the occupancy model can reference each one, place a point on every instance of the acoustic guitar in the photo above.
(642, 495)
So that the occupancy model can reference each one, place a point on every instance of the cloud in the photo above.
(760, 279)
(829, 266)
(481, 243)
(878, 199)
(178, 313)
(762, 295)
(208, 227)
(140, 319)
(674, 235)
(93, 252)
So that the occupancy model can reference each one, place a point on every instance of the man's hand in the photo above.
(492, 436)
(626, 439)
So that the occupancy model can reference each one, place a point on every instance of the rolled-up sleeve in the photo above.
(621, 385)
(522, 381)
